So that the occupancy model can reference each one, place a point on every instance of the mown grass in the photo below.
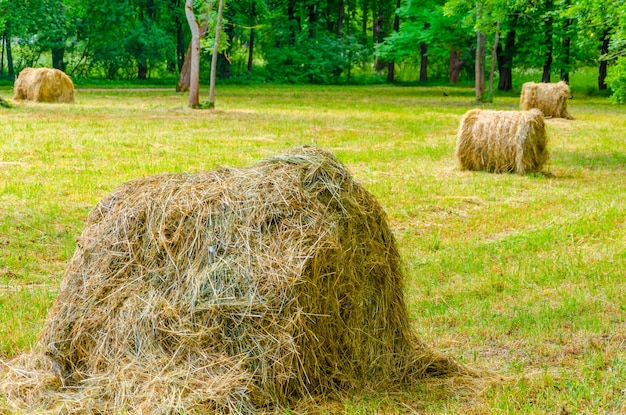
(520, 275)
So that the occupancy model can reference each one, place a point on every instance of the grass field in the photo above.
(524, 276)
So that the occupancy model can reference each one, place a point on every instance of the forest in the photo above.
(329, 41)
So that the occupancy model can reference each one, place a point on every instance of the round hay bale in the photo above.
(550, 99)
(43, 85)
(230, 291)
(502, 141)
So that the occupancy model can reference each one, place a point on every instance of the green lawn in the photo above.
(524, 276)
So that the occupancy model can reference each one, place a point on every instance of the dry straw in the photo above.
(43, 85)
(502, 141)
(550, 99)
(232, 291)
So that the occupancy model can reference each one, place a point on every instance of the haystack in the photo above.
(550, 99)
(43, 85)
(232, 291)
(502, 141)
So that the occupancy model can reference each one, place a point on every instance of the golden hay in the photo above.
(230, 291)
(550, 99)
(502, 141)
(43, 85)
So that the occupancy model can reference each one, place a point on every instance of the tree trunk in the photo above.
(604, 49)
(57, 57)
(291, 19)
(215, 53)
(494, 58)
(480, 65)
(180, 45)
(340, 16)
(183, 78)
(423, 62)
(505, 61)
(455, 65)
(391, 66)
(2, 40)
(142, 70)
(10, 69)
(185, 73)
(566, 51)
(424, 58)
(194, 62)
(364, 19)
(547, 66)
(251, 43)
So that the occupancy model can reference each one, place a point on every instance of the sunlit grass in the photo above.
(520, 275)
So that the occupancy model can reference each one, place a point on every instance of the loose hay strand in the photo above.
(550, 99)
(230, 291)
(502, 141)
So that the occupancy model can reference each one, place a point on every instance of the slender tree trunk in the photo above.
(180, 44)
(423, 62)
(494, 58)
(391, 66)
(183, 78)
(566, 58)
(455, 65)
(364, 19)
(57, 58)
(218, 28)
(2, 40)
(547, 66)
(480, 65)
(194, 62)
(142, 70)
(185, 71)
(340, 16)
(505, 61)
(291, 18)
(251, 44)
(604, 49)
(10, 69)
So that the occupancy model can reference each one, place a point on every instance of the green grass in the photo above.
(521, 275)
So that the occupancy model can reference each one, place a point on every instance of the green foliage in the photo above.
(304, 41)
(616, 80)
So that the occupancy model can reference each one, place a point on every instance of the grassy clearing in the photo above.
(523, 276)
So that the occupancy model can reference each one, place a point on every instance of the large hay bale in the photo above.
(550, 99)
(229, 291)
(43, 85)
(502, 141)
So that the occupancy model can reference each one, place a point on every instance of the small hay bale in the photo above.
(230, 291)
(502, 141)
(550, 99)
(43, 85)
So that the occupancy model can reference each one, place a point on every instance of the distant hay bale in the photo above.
(43, 85)
(230, 291)
(502, 141)
(550, 99)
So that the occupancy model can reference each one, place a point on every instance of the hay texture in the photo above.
(502, 141)
(232, 291)
(550, 99)
(43, 85)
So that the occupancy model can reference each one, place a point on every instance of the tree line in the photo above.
(323, 41)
